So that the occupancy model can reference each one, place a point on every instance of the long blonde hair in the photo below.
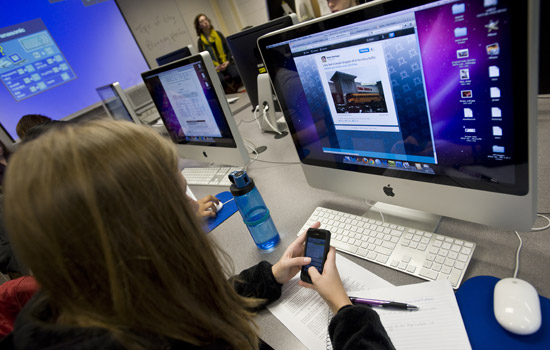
(99, 214)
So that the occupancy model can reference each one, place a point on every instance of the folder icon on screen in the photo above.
(495, 92)
(498, 149)
(494, 71)
(497, 131)
(468, 113)
(458, 8)
(488, 3)
(461, 31)
(496, 112)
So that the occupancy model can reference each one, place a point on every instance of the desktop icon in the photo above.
(406, 165)
(391, 163)
(489, 3)
(384, 162)
(470, 130)
(464, 74)
(418, 166)
(496, 112)
(498, 149)
(492, 26)
(466, 93)
(495, 92)
(461, 31)
(377, 162)
(468, 113)
(493, 49)
(494, 71)
(462, 53)
(497, 131)
(398, 164)
(458, 9)
(371, 161)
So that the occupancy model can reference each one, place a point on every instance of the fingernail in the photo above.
(307, 260)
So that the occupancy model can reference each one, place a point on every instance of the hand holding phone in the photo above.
(317, 246)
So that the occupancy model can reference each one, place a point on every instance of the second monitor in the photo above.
(190, 99)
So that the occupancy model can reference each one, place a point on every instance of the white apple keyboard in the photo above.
(209, 176)
(427, 255)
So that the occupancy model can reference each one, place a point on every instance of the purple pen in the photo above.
(383, 303)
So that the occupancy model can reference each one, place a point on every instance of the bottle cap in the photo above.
(241, 183)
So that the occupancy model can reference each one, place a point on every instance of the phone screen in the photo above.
(315, 249)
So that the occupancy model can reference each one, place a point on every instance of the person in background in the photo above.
(28, 121)
(122, 262)
(214, 42)
(338, 5)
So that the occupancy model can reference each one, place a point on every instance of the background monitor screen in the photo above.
(116, 103)
(195, 112)
(417, 103)
(175, 55)
(54, 54)
(247, 57)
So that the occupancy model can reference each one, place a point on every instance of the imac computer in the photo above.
(424, 105)
(185, 51)
(116, 103)
(251, 68)
(190, 99)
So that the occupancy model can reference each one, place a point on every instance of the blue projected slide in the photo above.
(30, 61)
(54, 54)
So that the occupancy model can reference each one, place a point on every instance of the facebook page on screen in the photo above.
(354, 69)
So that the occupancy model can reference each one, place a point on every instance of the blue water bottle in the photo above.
(253, 210)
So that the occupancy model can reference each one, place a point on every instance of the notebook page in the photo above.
(436, 325)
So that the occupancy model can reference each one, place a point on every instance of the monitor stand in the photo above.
(268, 122)
(402, 216)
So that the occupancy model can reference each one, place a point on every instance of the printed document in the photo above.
(438, 320)
(307, 315)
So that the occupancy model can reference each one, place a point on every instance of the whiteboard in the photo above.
(158, 26)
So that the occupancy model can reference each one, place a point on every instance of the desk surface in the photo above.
(291, 201)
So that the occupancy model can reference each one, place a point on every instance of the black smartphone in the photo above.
(317, 246)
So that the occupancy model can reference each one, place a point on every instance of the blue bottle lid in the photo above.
(240, 183)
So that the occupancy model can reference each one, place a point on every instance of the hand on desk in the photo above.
(292, 260)
(207, 207)
(329, 284)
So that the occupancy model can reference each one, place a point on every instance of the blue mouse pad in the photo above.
(229, 208)
(475, 299)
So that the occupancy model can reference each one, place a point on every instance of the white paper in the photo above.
(438, 320)
(307, 315)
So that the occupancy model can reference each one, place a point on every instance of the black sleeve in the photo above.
(258, 282)
(358, 327)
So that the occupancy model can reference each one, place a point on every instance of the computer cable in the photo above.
(253, 149)
(266, 108)
(534, 229)
(373, 206)
(255, 110)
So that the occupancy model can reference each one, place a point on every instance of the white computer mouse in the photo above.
(219, 206)
(517, 306)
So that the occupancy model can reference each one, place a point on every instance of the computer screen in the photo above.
(190, 99)
(53, 54)
(429, 105)
(116, 103)
(245, 52)
(175, 55)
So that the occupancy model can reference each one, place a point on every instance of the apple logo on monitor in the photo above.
(204, 154)
(388, 190)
